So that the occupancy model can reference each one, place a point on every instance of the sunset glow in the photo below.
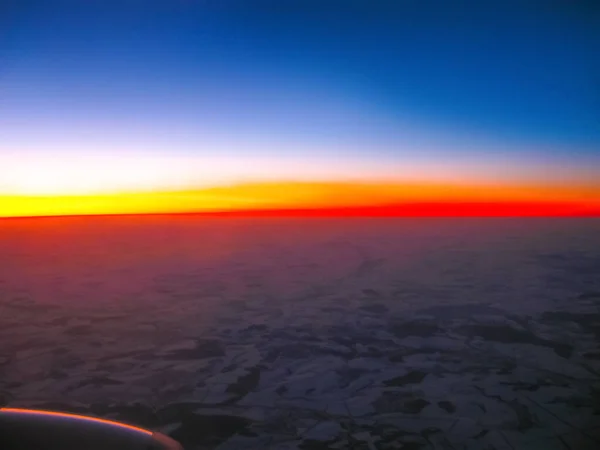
(224, 107)
(345, 198)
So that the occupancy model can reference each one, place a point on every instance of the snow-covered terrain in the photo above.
(316, 333)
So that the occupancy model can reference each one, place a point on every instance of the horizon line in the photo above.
(405, 209)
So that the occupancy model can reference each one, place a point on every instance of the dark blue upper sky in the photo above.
(382, 79)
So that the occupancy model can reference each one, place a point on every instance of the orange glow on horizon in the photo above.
(75, 416)
(344, 198)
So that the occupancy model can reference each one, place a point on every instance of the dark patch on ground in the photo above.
(283, 424)
(347, 375)
(507, 368)
(521, 386)
(60, 350)
(473, 369)
(414, 406)
(246, 383)
(589, 322)
(295, 351)
(420, 351)
(78, 330)
(145, 356)
(583, 319)
(229, 368)
(306, 350)
(256, 328)
(272, 355)
(68, 361)
(394, 401)
(429, 431)
(388, 433)
(133, 354)
(60, 321)
(97, 382)
(332, 308)
(349, 338)
(504, 334)
(577, 401)
(367, 265)
(135, 414)
(406, 445)
(13, 384)
(525, 322)
(375, 308)
(371, 293)
(450, 312)
(20, 303)
(248, 432)
(481, 434)
(414, 328)
(207, 430)
(312, 444)
(57, 374)
(507, 334)
(447, 406)
(100, 409)
(412, 377)
(563, 350)
(205, 348)
(532, 387)
(397, 358)
(592, 355)
(373, 352)
(525, 420)
(590, 295)
(176, 412)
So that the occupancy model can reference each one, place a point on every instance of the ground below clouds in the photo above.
(366, 355)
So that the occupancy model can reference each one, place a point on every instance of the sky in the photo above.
(128, 97)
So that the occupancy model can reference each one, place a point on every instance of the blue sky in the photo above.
(477, 84)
